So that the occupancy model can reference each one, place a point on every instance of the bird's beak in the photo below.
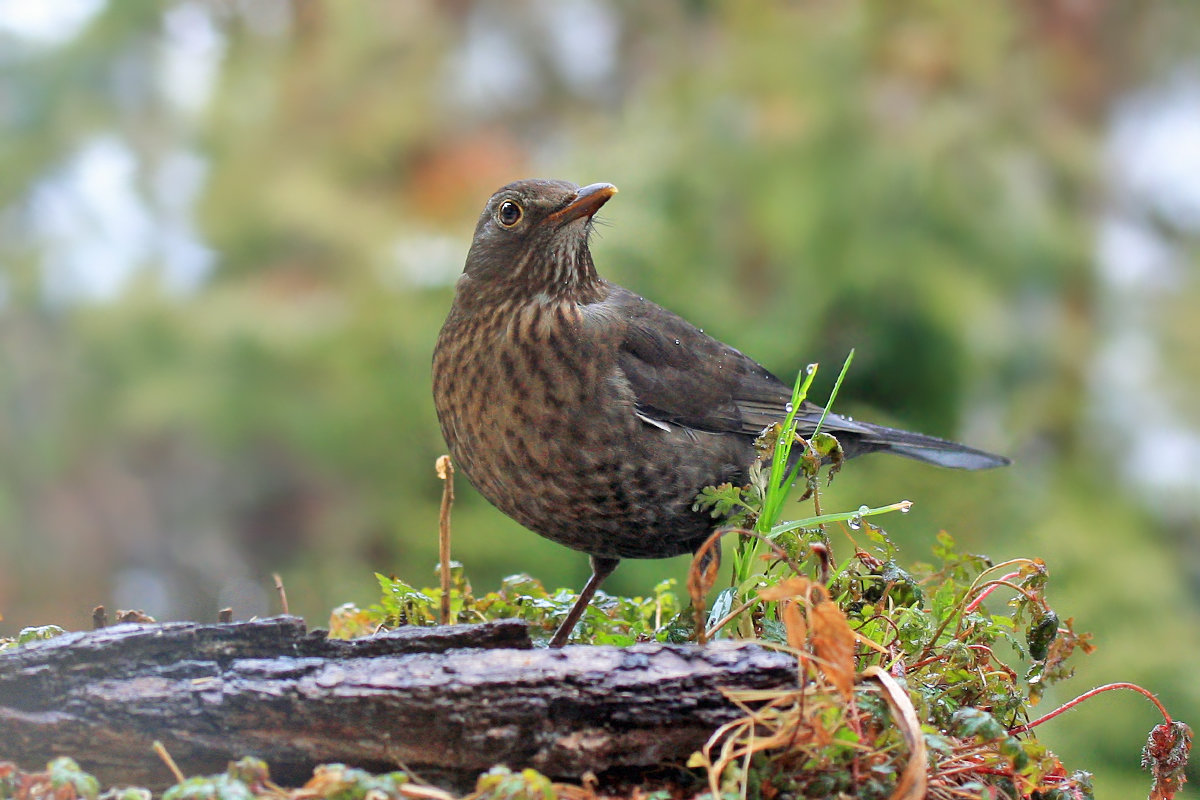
(587, 201)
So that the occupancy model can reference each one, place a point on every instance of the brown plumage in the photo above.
(593, 416)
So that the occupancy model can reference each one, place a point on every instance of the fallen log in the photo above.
(445, 702)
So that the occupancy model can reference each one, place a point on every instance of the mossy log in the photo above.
(446, 703)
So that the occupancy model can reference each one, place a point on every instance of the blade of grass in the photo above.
(837, 385)
(842, 516)
(776, 482)
(781, 478)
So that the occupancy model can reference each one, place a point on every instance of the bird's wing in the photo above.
(681, 376)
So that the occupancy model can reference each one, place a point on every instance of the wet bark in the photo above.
(446, 702)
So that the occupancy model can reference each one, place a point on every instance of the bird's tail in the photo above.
(865, 437)
(932, 450)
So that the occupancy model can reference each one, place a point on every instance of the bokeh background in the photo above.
(229, 232)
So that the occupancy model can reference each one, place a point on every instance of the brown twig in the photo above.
(445, 471)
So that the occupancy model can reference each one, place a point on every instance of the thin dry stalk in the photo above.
(162, 753)
(445, 471)
(283, 603)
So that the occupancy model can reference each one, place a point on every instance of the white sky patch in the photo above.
(95, 227)
(98, 230)
(1133, 255)
(1154, 163)
(500, 63)
(491, 71)
(185, 260)
(1155, 149)
(583, 38)
(192, 51)
(48, 22)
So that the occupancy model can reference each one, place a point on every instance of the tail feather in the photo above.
(864, 437)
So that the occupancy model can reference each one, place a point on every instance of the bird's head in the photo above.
(532, 237)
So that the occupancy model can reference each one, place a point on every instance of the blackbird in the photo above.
(593, 416)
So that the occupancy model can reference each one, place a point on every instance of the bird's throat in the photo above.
(555, 274)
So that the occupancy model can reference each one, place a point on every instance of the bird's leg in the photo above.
(601, 569)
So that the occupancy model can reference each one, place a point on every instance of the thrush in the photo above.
(589, 414)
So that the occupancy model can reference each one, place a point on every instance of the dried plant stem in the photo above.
(445, 471)
(170, 762)
(283, 601)
(723, 621)
(424, 792)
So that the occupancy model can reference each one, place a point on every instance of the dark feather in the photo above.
(681, 376)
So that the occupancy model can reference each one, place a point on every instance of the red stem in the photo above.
(1087, 695)
(991, 587)
(932, 659)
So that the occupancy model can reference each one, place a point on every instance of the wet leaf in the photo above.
(1041, 634)
(833, 644)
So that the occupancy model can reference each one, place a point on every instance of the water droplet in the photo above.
(810, 369)
(676, 341)
(787, 409)
(856, 522)
(905, 506)
(701, 330)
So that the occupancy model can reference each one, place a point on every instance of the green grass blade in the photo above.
(842, 516)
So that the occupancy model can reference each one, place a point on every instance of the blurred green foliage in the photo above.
(920, 181)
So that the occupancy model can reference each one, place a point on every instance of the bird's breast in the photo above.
(514, 388)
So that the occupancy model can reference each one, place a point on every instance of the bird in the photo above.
(593, 416)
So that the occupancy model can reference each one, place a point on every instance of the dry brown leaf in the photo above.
(915, 778)
(833, 643)
(794, 624)
(820, 734)
(796, 586)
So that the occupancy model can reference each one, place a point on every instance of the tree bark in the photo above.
(446, 702)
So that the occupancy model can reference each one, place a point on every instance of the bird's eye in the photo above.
(510, 213)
